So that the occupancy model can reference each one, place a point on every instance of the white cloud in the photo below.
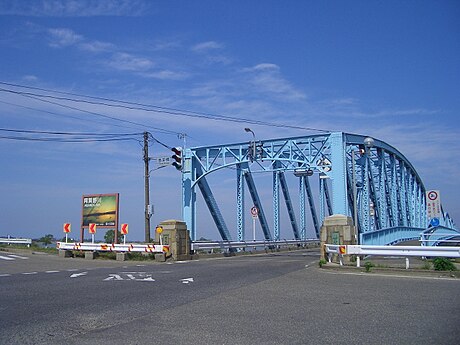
(75, 8)
(267, 78)
(263, 67)
(128, 62)
(96, 46)
(30, 78)
(207, 46)
(167, 75)
(63, 37)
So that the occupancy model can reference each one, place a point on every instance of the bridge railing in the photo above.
(226, 245)
(390, 235)
(27, 241)
(402, 251)
(109, 247)
(439, 234)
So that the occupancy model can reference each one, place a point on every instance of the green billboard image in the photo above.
(101, 209)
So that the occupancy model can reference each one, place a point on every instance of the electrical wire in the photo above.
(149, 107)
(37, 98)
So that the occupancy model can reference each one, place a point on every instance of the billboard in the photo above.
(100, 209)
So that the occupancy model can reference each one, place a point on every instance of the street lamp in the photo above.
(253, 141)
(368, 143)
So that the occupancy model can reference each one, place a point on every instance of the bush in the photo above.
(443, 264)
(368, 265)
(322, 262)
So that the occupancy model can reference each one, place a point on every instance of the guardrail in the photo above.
(244, 244)
(27, 241)
(111, 247)
(402, 251)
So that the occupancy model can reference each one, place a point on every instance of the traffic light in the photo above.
(177, 157)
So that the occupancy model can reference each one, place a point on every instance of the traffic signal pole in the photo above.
(147, 187)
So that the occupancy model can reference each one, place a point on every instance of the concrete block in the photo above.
(90, 255)
(65, 253)
(121, 256)
(160, 257)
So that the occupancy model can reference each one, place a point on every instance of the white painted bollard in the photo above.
(407, 263)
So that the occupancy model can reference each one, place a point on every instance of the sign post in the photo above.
(255, 215)
(159, 230)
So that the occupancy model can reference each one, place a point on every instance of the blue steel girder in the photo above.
(290, 209)
(257, 203)
(311, 203)
(213, 208)
(240, 171)
(303, 218)
(327, 196)
(276, 203)
(384, 176)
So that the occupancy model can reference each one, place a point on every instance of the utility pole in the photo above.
(147, 187)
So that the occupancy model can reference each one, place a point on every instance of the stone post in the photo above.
(176, 236)
(337, 229)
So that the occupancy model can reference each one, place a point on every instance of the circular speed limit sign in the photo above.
(254, 212)
(432, 195)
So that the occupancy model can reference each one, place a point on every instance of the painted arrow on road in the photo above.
(186, 280)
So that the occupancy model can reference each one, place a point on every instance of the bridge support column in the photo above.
(337, 229)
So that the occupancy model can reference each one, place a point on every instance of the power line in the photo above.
(66, 133)
(37, 98)
(148, 108)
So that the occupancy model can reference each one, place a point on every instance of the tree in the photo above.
(109, 236)
(47, 239)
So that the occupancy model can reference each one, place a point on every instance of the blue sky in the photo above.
(387, 69)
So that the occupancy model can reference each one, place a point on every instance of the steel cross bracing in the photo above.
(390, 194)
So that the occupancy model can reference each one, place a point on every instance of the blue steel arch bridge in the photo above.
(336, 173)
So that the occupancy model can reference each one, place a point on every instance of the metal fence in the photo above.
(401, 251)
(8, 240)
(227, 245)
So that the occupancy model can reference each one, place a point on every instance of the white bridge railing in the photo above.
(402, 251)
(110, 247)
(8, 240)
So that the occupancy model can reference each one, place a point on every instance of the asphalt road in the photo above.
(264, 299)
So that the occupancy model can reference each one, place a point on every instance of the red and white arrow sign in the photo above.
(92, 228)
(66, 228)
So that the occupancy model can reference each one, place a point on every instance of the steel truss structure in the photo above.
(387, 191)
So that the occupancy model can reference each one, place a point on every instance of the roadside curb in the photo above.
(391, 271)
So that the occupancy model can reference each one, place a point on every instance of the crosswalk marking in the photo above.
(12, 257)
(6, 258)
(18, 257)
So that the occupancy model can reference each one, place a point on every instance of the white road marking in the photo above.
(51, 271)
(186, 280)
(6, 258)
(29, 273)
(75, 275)
(18, 257)
(5, 275)
(113, 276)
